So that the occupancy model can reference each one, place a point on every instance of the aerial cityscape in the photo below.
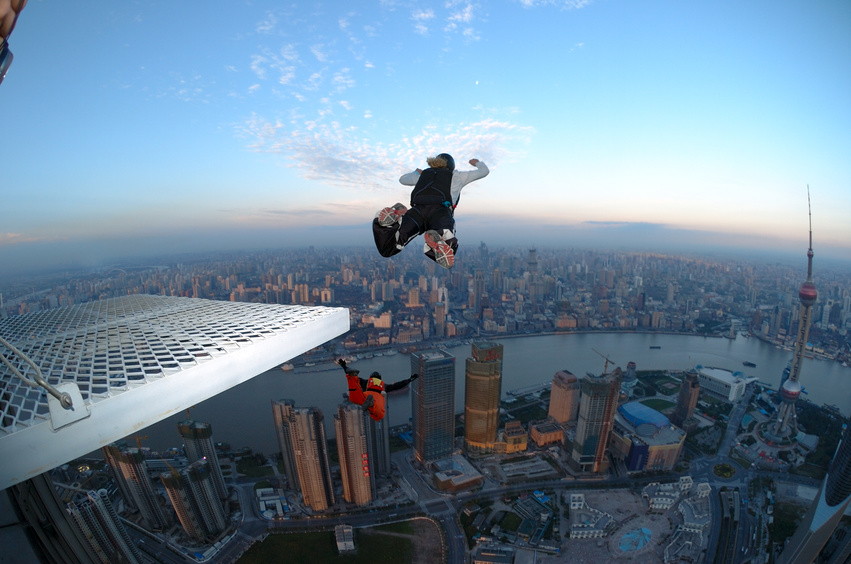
(625, 351)
(661, 465)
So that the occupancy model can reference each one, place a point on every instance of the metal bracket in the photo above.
(61, 416)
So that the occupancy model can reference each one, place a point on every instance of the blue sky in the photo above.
(142, 127)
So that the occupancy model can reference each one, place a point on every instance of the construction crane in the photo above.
(606, 364)
(139, 440)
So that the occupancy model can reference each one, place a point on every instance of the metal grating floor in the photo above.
(133, 361)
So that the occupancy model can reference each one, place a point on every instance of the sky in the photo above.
(146, 127)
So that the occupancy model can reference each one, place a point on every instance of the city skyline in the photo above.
(603, 124)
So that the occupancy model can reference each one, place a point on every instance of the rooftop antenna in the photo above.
(810, 250)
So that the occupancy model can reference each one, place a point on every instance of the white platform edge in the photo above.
(38, 448)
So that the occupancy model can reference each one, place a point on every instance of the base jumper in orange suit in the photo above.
(369, 393)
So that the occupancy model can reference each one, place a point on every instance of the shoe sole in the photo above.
(443, 253)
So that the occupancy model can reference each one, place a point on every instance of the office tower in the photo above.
(482, 389)
(307, 433)
(564, 397)
(128, 467)
(630, 379)
(827, 509)
(439, 319)
(100, 526)
(378, 444)
(282, 412)
(433, 405)
(687, 400)
(198, 443)
(597, 408)
(785, 423)
(196, 502)
(353, 451)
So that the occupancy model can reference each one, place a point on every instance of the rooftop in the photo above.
(126, 363)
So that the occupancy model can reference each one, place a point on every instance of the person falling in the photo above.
(369, 393)
(432, 213)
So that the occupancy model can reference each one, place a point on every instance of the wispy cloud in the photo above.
(340, 156)
(565, 4)
(9, 239)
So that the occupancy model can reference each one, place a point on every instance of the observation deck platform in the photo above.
(127, 363)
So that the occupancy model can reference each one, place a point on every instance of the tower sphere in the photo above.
(790, 391)
(808, 293)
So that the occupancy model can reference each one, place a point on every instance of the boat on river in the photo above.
(749, 364)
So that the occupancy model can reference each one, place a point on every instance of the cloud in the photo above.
(340, 156)
(346, 104)
(319, 53)
(565, 4)
(18, 238)
(267, 24)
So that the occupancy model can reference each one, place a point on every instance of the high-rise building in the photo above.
(378, 444)
(834, 497)
(282, 412)
(564, 397)
(353, 451)
(433, 405)
(134, 482)
(687, 400)
(198, 443)
(307, 432)
(101, 528)
(785, 423)
(597, 408)
(483, 386)
(630, 379)
(196, 502)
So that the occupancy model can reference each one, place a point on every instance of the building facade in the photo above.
(433, 405)
(834, 497)
(101, 528)
(482, 389)
(198, 444)
(353, 452)
(687, 400)
(196, 501)
(597, 407)
(307, 430)
(564, 397)
(134, 482)
(282, 411)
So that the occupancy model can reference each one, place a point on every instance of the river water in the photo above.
(242, 416)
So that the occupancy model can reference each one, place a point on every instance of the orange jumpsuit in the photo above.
(374, 388)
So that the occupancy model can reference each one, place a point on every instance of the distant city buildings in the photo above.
(433, 405)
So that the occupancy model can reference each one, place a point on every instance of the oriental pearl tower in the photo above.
(786, 424)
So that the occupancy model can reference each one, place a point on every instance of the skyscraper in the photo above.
(282, 412)
(597, 408)
(433, 405)
(564, 397)
(128, 467)
(353, 451)
(687, 400)
(101, 528)
(827, 509)
(196, 502)
(378, 444)
(307, 433)
(785, 424)
(483, 386)
(198, 443)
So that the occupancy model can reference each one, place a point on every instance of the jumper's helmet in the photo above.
(450, 162)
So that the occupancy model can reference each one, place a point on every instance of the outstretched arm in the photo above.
(410, 178)
(400, 384)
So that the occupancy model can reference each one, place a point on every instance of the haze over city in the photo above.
(135, 129)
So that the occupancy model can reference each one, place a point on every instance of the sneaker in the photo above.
(368, 402)
(388, 216)
(443, 253)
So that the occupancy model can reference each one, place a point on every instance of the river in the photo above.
(242, 416)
